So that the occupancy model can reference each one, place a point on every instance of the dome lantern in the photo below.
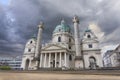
(62, 21)
(63, 27)
(88, 29)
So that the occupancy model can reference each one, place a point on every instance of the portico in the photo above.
(53, 60)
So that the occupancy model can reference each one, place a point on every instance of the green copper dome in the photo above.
(62, 27)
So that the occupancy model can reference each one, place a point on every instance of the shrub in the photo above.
(5, 68)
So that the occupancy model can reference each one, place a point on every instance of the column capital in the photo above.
(41, 25)
(75, 19)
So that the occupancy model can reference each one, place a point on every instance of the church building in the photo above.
(65, 51)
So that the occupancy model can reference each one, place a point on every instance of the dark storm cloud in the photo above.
(19, 20)
(2, 24)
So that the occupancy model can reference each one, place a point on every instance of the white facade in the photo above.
(112, 58)
(78, 55)
(61, 51)
(29, 53)
(91, 51)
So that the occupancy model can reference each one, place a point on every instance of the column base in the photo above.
(78, 62)
(37, 63)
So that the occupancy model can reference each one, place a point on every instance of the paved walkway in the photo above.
(53, 76)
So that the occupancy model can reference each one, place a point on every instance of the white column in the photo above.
(41, 58)
(65, 59)
(45, 61)
(77, 36)
(55, 60)
(49, 59)
(60, 59)
(39, 38)
(78, 57)
(38, 45)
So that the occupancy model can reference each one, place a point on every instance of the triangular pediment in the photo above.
(53, 47)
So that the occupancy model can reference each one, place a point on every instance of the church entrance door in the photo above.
(92, 62)
(27, 64)
(53, 63)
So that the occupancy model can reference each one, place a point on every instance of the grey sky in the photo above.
(19, 20)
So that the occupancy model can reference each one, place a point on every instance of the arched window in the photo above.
(88, 36)
(30, 42)
(59, 39)
(92, 59)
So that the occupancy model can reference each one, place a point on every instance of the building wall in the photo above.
(90, 47)
(107, 61)
(31, 63)
(94, 45)
(65, 36)
(96, 55)
(29, 53)
(112, 58)
(30, 46)
(13, 62)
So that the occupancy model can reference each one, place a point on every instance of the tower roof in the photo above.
(62, 27)
(88, 29)
(33, 37)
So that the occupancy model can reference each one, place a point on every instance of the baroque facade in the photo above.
(65, 50)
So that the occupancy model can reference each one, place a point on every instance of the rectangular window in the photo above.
(29, 50)
(90, 46)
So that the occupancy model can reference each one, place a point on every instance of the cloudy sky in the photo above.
(19, 20)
